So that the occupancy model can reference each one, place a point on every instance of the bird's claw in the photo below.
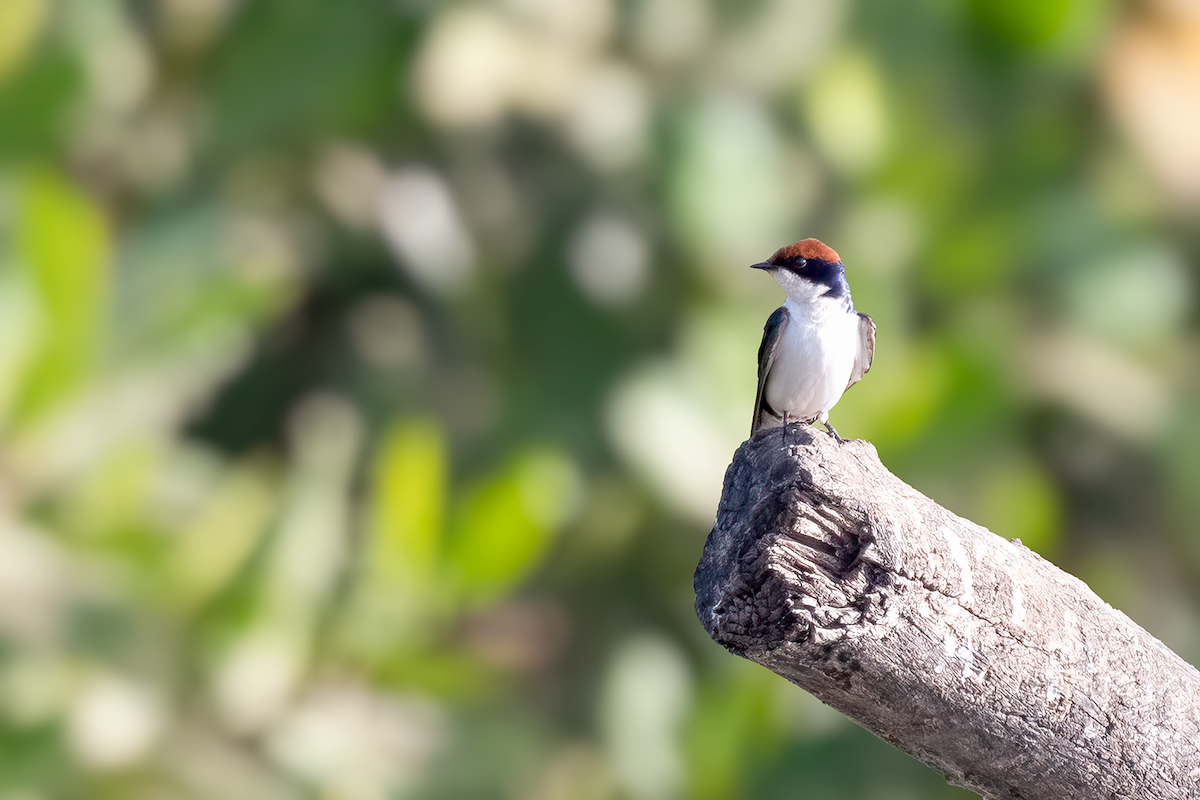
(834, 433)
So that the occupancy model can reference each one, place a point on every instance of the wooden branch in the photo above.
(965, 650)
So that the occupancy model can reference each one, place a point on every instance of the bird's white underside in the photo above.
(815, 355)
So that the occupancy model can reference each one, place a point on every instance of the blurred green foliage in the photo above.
(368, 369)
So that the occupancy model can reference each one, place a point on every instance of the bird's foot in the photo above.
(833, 432)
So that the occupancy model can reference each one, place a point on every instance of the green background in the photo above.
(368, 368)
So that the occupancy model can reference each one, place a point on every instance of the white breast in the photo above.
(815, 357)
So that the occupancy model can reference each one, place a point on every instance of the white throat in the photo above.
(802, 292)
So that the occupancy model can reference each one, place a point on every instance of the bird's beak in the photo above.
(762, 265)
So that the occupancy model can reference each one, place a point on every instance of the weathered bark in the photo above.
(966, 650)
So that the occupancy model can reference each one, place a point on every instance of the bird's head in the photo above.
(807, 270)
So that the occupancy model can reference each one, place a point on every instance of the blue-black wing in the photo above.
(772, 333)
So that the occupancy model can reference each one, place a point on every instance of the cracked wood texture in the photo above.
(968, 651)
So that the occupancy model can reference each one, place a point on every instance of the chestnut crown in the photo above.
(806, 249)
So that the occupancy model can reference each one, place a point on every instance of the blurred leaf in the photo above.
(184, 286)
(400, 587)
(34, 756)
(730, 727)
(496, 540)
(505, 524)
(64, 247)
(451, 674)
(215, 542)
(268, 88)
(846, 109)
(36, 104)
(306, 556)
(1021, 22)
(113, 495)
(974, 257)
(729, 190)
(646, 695)
(901, 395)
(1136, 296)
(18, 335)
(22, 22)
(1019, 500)
(408, 503)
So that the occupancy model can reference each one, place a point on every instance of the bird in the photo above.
(815, 346)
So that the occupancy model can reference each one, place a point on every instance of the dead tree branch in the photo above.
(967, 651)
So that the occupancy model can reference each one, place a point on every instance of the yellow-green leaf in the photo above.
(215, 542)
(407, 502)
(64, 248)
(506, 524)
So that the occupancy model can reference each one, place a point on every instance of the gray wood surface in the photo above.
(966, 650)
